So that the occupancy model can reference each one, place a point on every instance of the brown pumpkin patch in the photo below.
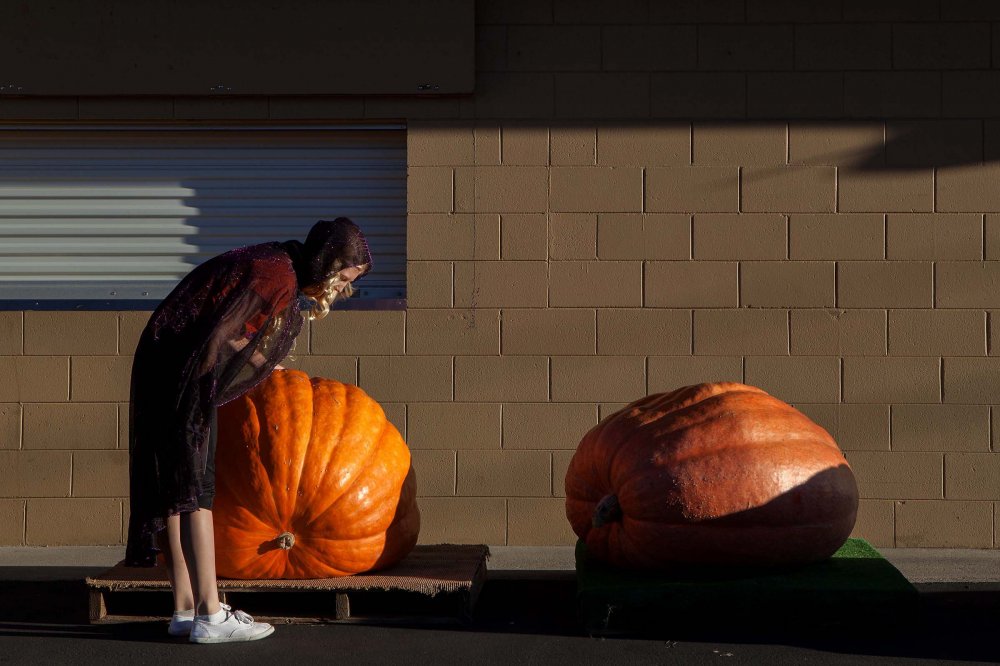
(711, 473)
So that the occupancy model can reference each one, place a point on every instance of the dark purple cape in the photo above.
(185, 367)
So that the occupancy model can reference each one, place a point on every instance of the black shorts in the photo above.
(207, 496)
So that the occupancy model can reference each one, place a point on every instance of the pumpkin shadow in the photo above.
(268, 546)
(805, 524)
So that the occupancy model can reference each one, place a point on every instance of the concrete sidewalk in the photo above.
(921, 566)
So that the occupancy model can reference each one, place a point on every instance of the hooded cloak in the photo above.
(186, 363)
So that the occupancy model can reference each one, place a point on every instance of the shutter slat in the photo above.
(128, 213)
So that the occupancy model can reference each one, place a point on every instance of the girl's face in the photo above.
(347, 276)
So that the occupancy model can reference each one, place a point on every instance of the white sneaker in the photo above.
(234, 626)
(182, 621)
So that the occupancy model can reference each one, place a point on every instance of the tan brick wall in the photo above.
(638, 196)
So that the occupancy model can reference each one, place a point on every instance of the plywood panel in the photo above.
(249, 47)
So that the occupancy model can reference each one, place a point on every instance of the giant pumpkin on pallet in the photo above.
(711, 473)
(312, 481)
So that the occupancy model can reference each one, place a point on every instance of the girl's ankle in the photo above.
(208, 608)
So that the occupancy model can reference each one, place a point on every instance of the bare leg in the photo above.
(170, 543)
(197, 540)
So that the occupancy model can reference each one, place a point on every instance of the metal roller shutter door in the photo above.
(121, 214)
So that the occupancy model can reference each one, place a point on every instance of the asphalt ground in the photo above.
(521, 618)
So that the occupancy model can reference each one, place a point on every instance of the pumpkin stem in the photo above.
(286, 540)
(608, 511)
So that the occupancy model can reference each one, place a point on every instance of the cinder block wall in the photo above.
(640, 195)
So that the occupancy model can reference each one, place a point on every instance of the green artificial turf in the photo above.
(856, 583)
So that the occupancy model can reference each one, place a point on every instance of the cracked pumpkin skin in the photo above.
(312, 482)
(717, 473)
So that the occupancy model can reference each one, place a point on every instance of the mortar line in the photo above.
(506, 522)
(691, 236)
(941, 379)
(550, 379)
(934, 178)
(842, 380)
(739, 284)
(642, 284)
(885, 328)
(894, 541)
(692, 331)
(24, 523)
(739, 191)
(788, 325)
(944, 476)
(890, 427)
(406, 424)
(552, 474)
(836, 189)
(788, 237)
(989, 336)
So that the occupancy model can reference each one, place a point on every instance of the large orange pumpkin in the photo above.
(312, 481)
(711, 473)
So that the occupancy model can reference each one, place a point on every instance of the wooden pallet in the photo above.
(434, 584)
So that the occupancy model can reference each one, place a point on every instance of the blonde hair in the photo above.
(323, 295)
(326, 294)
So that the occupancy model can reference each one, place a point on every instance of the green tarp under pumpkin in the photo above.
(854, 586)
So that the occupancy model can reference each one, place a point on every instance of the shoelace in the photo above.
(243, 617)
